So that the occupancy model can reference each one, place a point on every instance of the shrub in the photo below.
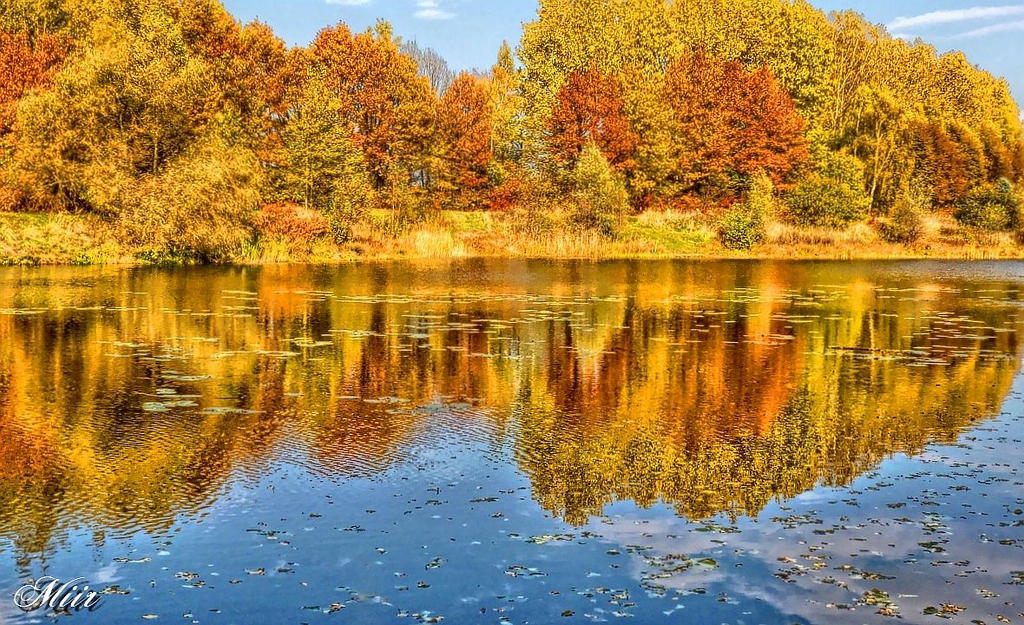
(990, 207)
(742, 227)
(201, 206)
(599, 199)
(739, 229)
(346, 207)
(531, 215)
(760, 197)
(508, 195)
(292, 223)
(404, 207)
(905, 222)
(10, 197)
(823, 201)
(842, 167)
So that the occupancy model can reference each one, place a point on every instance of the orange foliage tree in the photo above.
(390, 106)
(26, 64)
(952, 161)
(590, 108)
(464, 128)
(255, 71)
(727, 122)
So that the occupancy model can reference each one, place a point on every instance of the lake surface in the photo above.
(517, 442)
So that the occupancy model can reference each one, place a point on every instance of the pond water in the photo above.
(517, 442)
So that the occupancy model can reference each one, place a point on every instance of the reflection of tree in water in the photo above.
(712, 391)
(791, 420)
(113, 467)
(575, 475)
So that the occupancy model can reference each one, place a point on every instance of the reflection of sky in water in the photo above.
(465, 540)
(377, 475)
(933, 530)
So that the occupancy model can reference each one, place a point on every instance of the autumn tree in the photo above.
(1018, 161)
(727, 121)
(792, 39)
(590, 109)
(878, 136)
(506, 106)
(998, 155)
(571, 36)
(39, 17)
(464, 130)
(119, 106)
(965, 126)
(952, 159)
(253, 70)
(854, 42)
(265, 78)
(133, 128)
(26, 64)
(387, 104)
(824, 64)
(130, 102)
(201, 204)
(323, 169)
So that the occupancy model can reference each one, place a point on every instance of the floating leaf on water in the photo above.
(546, 538)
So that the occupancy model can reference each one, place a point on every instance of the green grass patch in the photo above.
(677, 236)
(469, 221)
(42, 239)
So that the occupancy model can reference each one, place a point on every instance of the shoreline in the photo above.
(32, 239)
(967, 255)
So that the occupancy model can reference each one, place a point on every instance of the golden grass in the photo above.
(783, 234)
(82, 239)
(31, 239)
(942, 237)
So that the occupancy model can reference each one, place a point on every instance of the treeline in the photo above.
(194, 134)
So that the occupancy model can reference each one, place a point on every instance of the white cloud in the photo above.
(430, 10)
(1002, 27)
(957, 15)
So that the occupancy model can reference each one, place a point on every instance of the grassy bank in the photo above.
(58, 239)
(31, 239)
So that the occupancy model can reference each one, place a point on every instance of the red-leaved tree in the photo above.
(729, 121)
(464, 125)
(26, 64)
(389, 106)
(590, 108)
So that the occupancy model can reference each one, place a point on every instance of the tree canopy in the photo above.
(106, 105)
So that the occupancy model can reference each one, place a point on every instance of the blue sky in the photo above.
(468, 32)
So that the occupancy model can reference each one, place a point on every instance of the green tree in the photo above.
(743, 225)
(505, 105)
(129, 102)
(324, 169)
(599, 195)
